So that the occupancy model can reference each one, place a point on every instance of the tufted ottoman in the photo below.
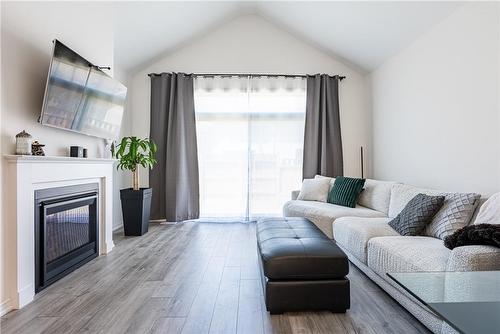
(301, 268)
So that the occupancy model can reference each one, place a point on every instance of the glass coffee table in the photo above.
(468, 301)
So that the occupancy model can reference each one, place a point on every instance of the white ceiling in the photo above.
(363, 33)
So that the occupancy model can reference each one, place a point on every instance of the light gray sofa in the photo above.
(375, 248)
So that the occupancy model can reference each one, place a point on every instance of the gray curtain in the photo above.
(322, 139)
(174, 179)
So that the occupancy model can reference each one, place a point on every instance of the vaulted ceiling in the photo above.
(363, 33)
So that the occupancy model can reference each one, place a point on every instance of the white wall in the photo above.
(436, 106)
(27, 32)
(26, 35)
(250, 44)
(122, 179)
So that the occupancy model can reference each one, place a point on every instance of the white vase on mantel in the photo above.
(107, 149)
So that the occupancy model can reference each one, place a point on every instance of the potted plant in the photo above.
(131, 153)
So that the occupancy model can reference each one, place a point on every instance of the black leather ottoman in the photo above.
(301, 268)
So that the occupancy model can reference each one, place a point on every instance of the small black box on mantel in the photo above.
(76, 151)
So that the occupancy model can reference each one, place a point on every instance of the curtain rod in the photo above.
(251, 74)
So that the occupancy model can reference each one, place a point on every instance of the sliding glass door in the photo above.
(250, 140)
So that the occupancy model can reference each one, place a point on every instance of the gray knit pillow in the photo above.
(456, 213)
(417, 214)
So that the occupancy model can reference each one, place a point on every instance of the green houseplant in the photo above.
(133, 152)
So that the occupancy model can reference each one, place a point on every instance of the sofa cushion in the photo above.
(332, 180)
(314, 190)
(489, 212)
(474, 258)
(353, 233)
(457, 211)
(346, 191)
(417, 214)
(376, 195)
(401, 194)
(324, 214)
(406, 254)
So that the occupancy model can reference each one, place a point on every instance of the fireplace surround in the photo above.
(24, 176)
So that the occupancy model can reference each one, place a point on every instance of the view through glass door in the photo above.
(250, 133)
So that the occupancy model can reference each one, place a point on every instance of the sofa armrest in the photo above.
(295, 194)
(474, 258)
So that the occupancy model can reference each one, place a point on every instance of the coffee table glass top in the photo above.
(468, 301)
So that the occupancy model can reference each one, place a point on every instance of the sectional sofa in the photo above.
(376, 249)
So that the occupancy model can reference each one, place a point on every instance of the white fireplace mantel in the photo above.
(58, 159)
(25, 174)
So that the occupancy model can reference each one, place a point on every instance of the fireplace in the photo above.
(66, 231)
(29, 174)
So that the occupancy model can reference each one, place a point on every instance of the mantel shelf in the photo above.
(54, 159)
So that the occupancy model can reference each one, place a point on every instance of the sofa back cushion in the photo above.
(481, 201)
(401, 194)
(489, 212)
(376, 195)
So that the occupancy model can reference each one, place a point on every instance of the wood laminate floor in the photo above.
(191, 278)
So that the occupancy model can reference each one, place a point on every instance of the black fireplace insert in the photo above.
(66, 231)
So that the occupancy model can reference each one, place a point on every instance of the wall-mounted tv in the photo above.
(80, 97)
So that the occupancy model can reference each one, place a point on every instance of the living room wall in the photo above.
(251, 44)
(28, 29)
(436, 113)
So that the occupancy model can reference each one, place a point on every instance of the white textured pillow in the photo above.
(332, 180)
(314, 190)
(489, 212)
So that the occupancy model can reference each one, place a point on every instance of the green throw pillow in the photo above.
(345, 191)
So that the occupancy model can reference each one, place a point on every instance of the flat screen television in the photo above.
(80, 97)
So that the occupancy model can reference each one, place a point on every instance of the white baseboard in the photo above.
(161, 222)
(108, 246)
(5, 307)
(24, 296)
(117, 227)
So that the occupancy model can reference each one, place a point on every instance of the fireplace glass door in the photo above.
(66, 231)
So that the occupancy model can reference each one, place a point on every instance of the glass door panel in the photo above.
(222, 135)
(277, 116)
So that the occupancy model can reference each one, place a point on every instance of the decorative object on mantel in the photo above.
(108, 148)
(37, 148)
(136, 202)
(76, 151)
(23, 143)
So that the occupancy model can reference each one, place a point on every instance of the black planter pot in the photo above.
(136, 205)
